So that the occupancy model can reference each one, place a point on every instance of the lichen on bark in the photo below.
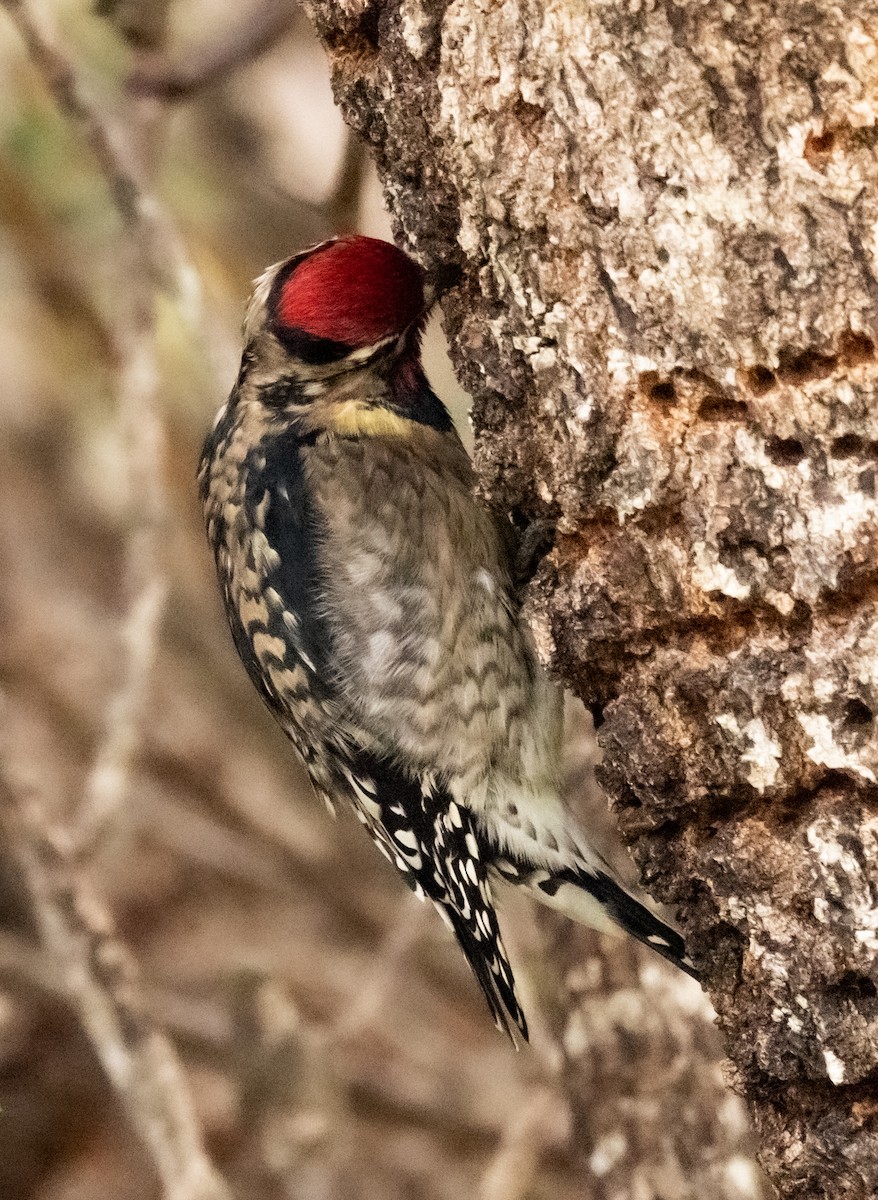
(665, 214)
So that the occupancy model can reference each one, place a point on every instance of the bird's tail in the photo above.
(592, 896)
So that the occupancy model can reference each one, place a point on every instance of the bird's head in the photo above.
(337, 306)
(332, 339)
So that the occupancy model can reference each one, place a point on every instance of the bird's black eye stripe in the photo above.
(316, 351)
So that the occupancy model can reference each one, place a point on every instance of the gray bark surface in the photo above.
(665, 215)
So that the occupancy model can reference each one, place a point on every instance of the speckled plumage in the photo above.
(370, 596)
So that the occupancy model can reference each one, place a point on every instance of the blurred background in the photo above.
(332, 1038)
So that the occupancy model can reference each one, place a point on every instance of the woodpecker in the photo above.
(371, 596)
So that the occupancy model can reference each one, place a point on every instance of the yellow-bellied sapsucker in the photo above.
(371, 598)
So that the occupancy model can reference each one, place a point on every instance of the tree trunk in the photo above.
(665, 215)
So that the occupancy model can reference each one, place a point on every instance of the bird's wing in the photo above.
(432, 842)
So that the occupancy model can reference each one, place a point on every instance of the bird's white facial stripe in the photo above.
(366, 352)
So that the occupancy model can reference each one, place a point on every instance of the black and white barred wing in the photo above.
(432, 842)
(472, 914)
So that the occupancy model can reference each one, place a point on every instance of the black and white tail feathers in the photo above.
(441, 851)
(586, 894)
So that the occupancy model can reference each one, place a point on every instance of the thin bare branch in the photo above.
(99, 978)
(140, 213)
(150, 244)
(61, 80)
(97, 973)
(107, 784)
(212, 62)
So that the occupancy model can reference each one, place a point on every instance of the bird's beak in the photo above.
(440, 281)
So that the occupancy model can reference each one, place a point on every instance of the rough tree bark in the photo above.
(665, 214)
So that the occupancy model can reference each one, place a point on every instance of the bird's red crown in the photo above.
(355, 290)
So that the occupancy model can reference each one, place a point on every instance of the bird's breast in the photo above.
(428, 645)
